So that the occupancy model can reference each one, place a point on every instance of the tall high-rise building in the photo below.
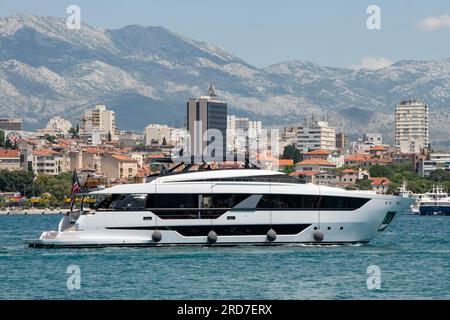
(411, 126)
(316, 135)
(203, 114)
(100, 120)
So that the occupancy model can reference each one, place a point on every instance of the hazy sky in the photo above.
(261, 32)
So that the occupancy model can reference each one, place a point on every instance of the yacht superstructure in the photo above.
(225, 207)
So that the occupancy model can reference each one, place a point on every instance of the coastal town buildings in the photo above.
(10, 124)
(240, 131)
(119, 167)
(128, 138)
(49, 161)
(327, 178)
(434, 161)
(373, 139)
(352, 175)
(380, 184)
(158, 135)
(288, 137)
(59, 124)
(342, 142)
(9, 160)
(333, 157)
(316, 135)
(367, 142)
(98, 123)
(109, 155)
(314, 164)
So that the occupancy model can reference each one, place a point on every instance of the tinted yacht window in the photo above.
(287, 201)
(122, 202)
(305, 202)
(331, 202)
(225, 200)
(172, 200)
(131, 202)
(192, 206)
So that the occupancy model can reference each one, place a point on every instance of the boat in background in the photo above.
(435, 202)
(404, 192)
(432, 203)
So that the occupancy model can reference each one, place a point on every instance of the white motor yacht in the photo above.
(225, 207)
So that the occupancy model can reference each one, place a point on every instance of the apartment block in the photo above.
(157, 135)
(435, 161)
(99, 120)
(411, 126)
(48, 161)
(119, 167)
(239, 131)
(9, 160)
(316, 135)
(10, 124)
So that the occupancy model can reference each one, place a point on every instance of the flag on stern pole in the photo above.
(75, 188)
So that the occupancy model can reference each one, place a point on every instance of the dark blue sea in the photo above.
(412, 255)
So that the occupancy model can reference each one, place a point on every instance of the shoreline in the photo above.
(34, 212)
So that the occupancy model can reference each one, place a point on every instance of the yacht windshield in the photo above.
(122, 202)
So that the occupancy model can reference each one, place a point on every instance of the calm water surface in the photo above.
(413, 255)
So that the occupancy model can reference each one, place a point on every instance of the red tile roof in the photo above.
(123, 158)
(377, 148)
(304, 173)
(44, 152)
(317, 152)
(358, 157)
(144, 171)
(156, 155)
(94, 150)
(316, 161)
(123, 149)
(378, 181)
(285, 162)
(4, 153)
(264, 157)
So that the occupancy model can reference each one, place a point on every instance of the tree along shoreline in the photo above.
(51, 191)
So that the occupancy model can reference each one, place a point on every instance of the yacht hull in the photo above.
(233, 228)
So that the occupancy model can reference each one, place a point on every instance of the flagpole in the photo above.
(75, 188)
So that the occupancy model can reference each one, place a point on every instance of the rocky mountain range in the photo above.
(146, 74)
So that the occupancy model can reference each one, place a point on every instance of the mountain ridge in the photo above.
(46, 70)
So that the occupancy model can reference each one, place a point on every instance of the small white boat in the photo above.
(404, 192)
